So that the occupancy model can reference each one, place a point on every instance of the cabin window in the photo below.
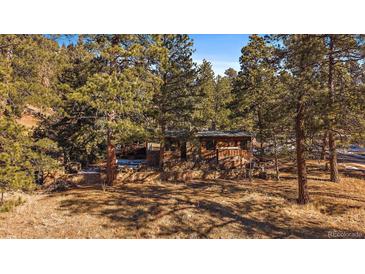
(244, 145)
(210, 145)
(183, 151)
(170, 145)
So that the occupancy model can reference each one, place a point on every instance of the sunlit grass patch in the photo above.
(9, 205)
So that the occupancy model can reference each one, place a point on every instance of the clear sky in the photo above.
(222, 50)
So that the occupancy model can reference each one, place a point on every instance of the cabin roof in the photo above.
(176, 133)
(208, 133)
(223, 133)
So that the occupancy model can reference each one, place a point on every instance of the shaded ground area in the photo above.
(194, 209)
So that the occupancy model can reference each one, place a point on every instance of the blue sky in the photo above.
(222, 50)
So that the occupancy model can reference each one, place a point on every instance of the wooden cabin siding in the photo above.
(228, 152)
(227, 149)
(206, 154)
(176, 149)
(171, 155)
(223, 153)
(153, 154)
(232, 158)
(153, 158)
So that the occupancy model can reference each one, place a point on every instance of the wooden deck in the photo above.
(229, 157)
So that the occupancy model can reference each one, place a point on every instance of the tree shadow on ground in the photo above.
(199, 209)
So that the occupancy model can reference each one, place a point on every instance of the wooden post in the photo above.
(217, 155)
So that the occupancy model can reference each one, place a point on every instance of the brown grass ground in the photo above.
(194, 209)
(28, 121)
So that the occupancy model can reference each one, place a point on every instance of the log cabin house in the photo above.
(226, 149)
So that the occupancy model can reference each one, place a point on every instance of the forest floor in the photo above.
(195, 209)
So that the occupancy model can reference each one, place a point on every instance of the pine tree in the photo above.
(254, 87)
(340, 51)
(302, 56)
(231, 73)
(121, 90)
(15, 150)
(215, 95)
(175, 99)
(222, 99)
(32, 61)
(72, 124)
(204, 112)
(27, 69)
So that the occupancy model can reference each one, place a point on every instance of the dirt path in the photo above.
(194, 209)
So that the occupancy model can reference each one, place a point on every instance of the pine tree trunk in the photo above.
(162, 147)
(303, 196)
(277, 175)
(262, 152)
(110, 160)
(324, 147)
(66, 159)
(333, 158)
(331, 139)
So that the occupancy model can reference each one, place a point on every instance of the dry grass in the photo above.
(194, 209)
(28, 121)
(9, 204)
